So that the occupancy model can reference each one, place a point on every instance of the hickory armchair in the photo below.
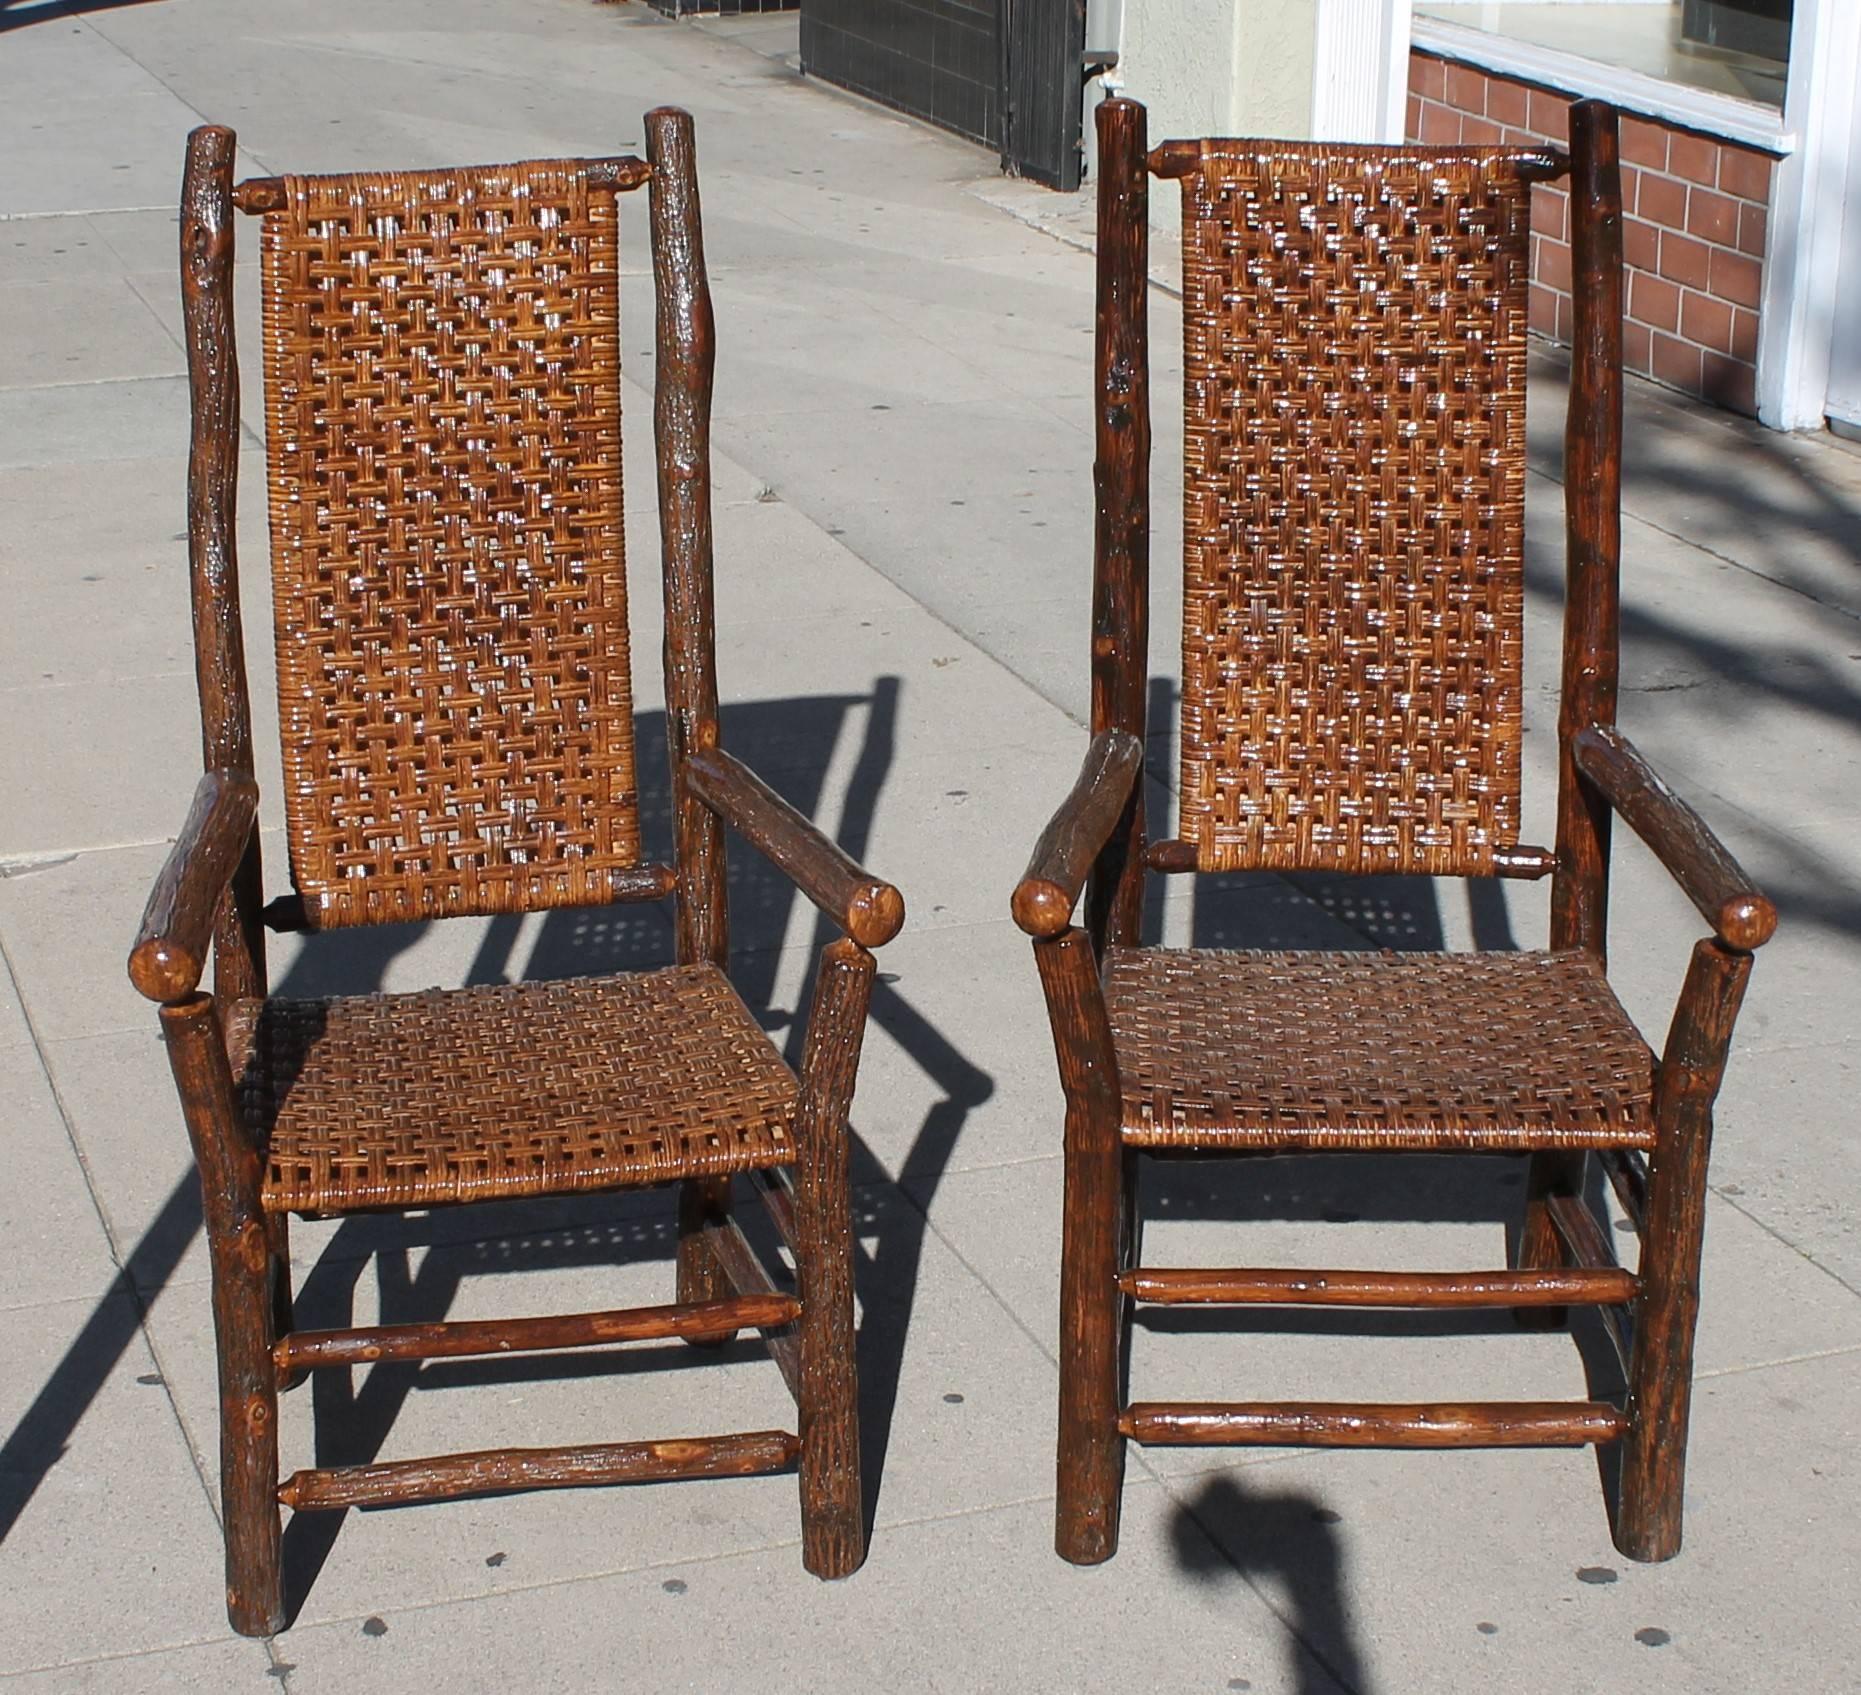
(1354, 322)
(443, 452)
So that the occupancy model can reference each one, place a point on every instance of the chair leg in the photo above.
(1654, 1448)
(242, 1312)
(1540, 1246)
(1660, 1389)
(833, 1523)
(701, 1277)
(1091, 1458)
(240, 1249)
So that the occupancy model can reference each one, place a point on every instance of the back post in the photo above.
(1592, 608)
(1593, 524)
(686, 353)
(213, 561)
(1121, 480)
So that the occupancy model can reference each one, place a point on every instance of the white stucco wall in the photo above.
(1213, 67)
(1220, 67)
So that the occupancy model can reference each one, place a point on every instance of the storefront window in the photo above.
(1737, 47)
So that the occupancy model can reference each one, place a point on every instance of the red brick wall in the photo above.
(1693, 235)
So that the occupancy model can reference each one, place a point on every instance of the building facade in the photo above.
(1741, 154)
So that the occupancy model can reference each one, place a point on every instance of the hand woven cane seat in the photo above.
(514, 1089)
(1496, 1052)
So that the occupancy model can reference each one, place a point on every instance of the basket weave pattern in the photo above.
(511, 1089)
(1395, 1051)
(442, 409)
(1354, 365)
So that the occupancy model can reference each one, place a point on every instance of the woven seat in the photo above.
(1498, 1052)
(515, 1089)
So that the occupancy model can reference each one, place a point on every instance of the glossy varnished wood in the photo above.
(1190, 1287)
(400, 1482)
(1592, 596)
(1174, 1019)
(869, 911)
(212, 525)
(211, 887)
(171, 947)
(1121, 485)
(1092, 1252)
(833, 1530)
(239, 1248)
(1077, 834)
(1339, 1424)
(310, 1350)
(1731, 903)
(685, 361)
(1660, 1391)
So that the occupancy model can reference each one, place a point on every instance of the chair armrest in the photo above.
(871, 912)
(1076, 835)
(1739, 914)
(177, 925)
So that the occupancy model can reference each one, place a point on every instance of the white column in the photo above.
(1803, 252)
(1360, 70)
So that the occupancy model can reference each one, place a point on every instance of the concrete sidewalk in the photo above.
(904, 519)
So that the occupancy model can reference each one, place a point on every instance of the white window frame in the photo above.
(1811, 188)
(1749, 122)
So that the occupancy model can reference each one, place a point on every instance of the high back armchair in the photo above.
(442, 400)
(1353, 625)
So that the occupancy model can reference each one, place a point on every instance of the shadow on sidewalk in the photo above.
(19, 14)
(1283, 1546)
(792, 743)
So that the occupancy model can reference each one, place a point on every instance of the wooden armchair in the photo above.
(442, 386)
(1354, 322)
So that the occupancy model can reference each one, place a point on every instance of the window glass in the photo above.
(1737, 47)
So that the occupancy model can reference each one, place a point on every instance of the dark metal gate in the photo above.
(1006, 73)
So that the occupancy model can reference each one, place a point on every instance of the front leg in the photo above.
(833, 1527)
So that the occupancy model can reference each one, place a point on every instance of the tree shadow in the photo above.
(21, 14)
(1284, 1546)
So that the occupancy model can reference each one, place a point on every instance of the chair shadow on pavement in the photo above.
(792, 743)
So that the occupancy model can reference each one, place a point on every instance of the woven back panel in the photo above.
(442, 411)
(1354, 353)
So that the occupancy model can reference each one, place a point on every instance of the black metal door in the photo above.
(1006, 73)
(1043, 58)
(936, 59)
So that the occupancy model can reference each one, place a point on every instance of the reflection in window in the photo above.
(1737, 47)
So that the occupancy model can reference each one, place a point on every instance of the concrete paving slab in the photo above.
(145, 779)
(57, 1244)
(59, 247)
(14, 1030)
(102, 144)
(92, 423)
(1164, 1616)
(1785, 1150)
(119, 337)
(234, 1664)
(1787, 507)
(98, 588)
(137, 1541)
